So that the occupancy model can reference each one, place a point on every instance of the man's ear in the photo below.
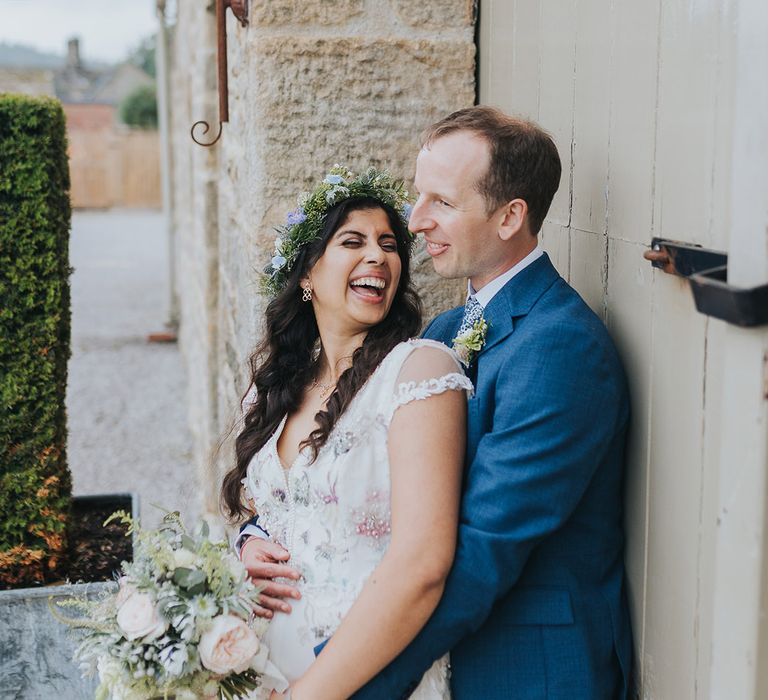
(514, 215)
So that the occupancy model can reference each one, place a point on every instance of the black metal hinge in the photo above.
(707, 272)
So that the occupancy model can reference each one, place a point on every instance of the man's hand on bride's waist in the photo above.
(263, 560)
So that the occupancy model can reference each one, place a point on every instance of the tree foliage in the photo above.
(140, 108)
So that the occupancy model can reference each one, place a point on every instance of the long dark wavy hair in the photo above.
(283, 364)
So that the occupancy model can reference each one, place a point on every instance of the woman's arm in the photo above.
(426, 450)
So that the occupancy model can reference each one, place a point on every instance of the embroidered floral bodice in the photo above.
(333, 515)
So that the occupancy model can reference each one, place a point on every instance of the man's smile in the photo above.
(435, 249)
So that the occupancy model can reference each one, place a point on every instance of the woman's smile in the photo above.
(369, 288)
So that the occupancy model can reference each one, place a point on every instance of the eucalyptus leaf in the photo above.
(181, 576)
(197, 589)
(189, 578)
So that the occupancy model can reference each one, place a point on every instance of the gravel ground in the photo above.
(126, 398)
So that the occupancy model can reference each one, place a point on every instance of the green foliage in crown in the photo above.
(305, 223)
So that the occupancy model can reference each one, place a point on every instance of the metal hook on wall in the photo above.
(240, 11)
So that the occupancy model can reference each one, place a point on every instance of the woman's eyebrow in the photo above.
(344, 231)
(353, 232)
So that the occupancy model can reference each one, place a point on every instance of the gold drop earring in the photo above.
(306, 295)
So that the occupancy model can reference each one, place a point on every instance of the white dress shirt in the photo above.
(490, 290)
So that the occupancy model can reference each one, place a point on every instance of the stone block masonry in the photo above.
(311, 83)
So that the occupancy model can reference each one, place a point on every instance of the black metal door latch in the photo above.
(707, 272)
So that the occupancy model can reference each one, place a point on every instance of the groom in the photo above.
(535, 604)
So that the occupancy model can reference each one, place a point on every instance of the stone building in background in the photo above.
(310, 84)
(111, 164)
(26, 81)
(76, 83)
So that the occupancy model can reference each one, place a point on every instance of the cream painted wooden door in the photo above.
(660, 113)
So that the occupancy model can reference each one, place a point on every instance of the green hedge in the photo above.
(35, 485)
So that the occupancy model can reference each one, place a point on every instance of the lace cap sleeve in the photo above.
(431, 368)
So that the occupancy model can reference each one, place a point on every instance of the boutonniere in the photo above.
(471, 341)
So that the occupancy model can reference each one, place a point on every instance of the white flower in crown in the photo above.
(471, 341)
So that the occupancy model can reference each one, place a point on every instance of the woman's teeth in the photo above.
(369, 286)
(375, 282)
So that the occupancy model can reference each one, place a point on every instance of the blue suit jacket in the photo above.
(534, 606)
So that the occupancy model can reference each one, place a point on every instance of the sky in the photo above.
(108, 29)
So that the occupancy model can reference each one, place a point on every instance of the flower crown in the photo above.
(305, 223)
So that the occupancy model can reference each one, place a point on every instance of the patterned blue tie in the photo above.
(473, 312)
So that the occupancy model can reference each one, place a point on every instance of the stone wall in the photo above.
(311, 83)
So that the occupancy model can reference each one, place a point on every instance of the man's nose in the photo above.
(419, 221)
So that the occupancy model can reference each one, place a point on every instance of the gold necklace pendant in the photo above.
(325, 389)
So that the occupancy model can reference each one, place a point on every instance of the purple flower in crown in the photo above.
(297, 216)
(407, 209)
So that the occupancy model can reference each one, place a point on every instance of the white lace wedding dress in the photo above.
(333, 515)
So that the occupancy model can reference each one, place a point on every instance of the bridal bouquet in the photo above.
(180, 624)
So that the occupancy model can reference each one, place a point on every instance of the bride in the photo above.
(352, 443)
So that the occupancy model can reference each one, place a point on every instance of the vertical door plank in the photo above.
(629, 319)
(588, 271)
(590, 144)
(520, 94)
(677, 376)
(557, 84)
(633, 81)
(685, 137)
(556, 242)
(707, 535)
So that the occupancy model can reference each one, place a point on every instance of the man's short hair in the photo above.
(524, 160)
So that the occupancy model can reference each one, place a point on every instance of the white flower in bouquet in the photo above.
(229, 645)
(203, 607)
(109, 670)
(236, 567)
(125, 589)
(184, 558)
(184, 694)
(180, 624)
(173, 657)
(138, 617)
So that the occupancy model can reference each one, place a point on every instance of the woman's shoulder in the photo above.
(427, 368)
(418, 359)
(425, 350)
(412, 360)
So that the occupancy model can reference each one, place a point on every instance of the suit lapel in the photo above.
(516, 298)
